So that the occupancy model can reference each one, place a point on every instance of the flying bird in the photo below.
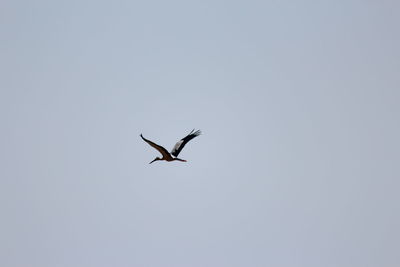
(176, 150)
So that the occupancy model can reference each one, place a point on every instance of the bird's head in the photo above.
(154, 160)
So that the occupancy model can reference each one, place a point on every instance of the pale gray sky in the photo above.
(298, 164)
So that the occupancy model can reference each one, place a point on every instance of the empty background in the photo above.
(298, 164)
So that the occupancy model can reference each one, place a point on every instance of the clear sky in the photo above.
(298, 164)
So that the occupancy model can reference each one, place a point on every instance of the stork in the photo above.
(176, 150)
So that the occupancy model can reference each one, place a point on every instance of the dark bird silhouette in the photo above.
(176, 150)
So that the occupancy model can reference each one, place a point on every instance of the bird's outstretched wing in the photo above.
(179, 146)
(162, 150)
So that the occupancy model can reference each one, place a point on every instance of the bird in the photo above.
(175, 151)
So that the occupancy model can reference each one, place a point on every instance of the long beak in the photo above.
(152, 161)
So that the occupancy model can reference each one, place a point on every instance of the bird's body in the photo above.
(175, 151)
